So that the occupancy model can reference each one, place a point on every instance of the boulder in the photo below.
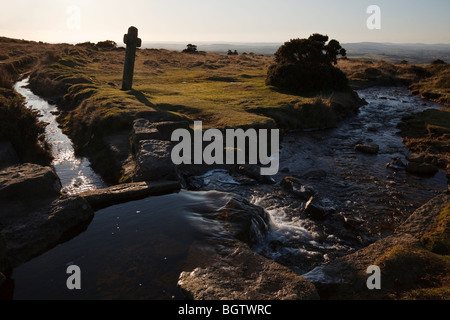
(225, 268)
(414, 157)
(421, 168)
(396, 163)
(294, 185)
(154, 161)
(253, 171)
(32, 227)
(314, 210)
(405, 263)
(366, 148)
(241, 274)
(27, 181)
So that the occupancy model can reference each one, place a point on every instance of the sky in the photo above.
(222, 21)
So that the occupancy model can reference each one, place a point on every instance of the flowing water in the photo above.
(353, 185)
(75, 172)
(137, 249)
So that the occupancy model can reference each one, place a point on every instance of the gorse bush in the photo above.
(304, 65)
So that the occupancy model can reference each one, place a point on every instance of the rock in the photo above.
(33, 227)
(400, 256)
(294, 185)
(371, 149)
(143, 130)
(254, 171)
(314, 210)
(414, 157)
(28, 181)
(396, 163)
(8, 155)
(225, 268)
(101, 198)
(154, 161)
(167, 128)
(421, 168)
(241, 274)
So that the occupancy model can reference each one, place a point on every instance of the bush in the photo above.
(107, 45)
(304, 65)
(191, 48)
(297, 77)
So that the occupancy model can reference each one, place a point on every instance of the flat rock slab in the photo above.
(241, 274)
(32, 227)
(28, 181)
(130, 191)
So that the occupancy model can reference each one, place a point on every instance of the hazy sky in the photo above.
(402, 21)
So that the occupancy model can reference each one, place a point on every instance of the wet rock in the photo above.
(28, 181)
(168, 127)
(314, 210)
(34, 226)
(421, 168)
(154, 161)
(294, 185)
(143, 130)
(366, 148)
(396, 163)
(415, 157)
(241, 274)
(225, 268)
(253, 171)
(8, 155)
(101, 198)
(346, 276)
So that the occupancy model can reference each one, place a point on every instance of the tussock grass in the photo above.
(222, 91)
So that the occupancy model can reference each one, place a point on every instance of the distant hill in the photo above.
(392, 52)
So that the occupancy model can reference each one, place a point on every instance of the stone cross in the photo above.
(132, 41)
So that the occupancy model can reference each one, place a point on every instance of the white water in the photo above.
(75, 172)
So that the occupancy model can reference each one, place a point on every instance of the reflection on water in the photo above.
(135, 250)
(75, 173)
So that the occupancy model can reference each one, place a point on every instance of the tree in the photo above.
(191, 48)
(303, 65)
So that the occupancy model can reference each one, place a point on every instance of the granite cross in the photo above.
(132, 41)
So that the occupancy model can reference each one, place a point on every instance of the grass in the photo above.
(220, 90)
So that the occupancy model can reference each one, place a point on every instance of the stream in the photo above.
(354, 186)
(75, 172)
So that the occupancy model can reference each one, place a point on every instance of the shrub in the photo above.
(298, 77)
(304, 65)
(108, 45)
(191, 48)
(438, 61)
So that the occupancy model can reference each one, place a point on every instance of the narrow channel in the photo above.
(75, 172)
